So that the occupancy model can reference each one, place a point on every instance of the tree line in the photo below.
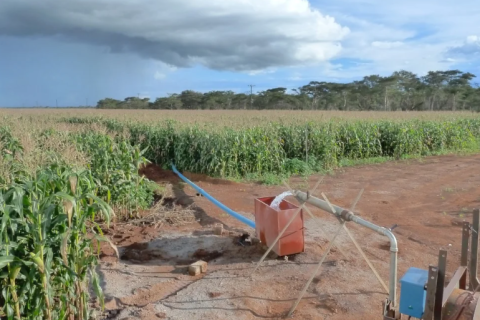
(403, 90)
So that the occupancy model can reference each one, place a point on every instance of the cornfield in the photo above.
(47, 258)
(50, 214)
(60, 176)
(281, 148)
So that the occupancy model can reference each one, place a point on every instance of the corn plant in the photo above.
(10, 150)
(114, 165)
(48, 233)
(48, 258)
(292, 146)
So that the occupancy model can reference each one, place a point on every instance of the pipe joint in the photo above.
(347, 215)
(393, 240)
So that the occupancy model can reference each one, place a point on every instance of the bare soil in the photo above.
(427, 198)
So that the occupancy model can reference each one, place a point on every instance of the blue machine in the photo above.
(413, 293)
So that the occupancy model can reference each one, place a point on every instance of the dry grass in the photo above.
(38, 150)
(168, 211)
(5, 168)
(171, 214)
(237, 118)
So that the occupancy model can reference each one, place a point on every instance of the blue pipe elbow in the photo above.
(214, 201)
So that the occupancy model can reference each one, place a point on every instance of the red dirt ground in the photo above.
(427, 199)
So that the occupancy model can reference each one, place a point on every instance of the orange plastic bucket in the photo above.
(270, 222)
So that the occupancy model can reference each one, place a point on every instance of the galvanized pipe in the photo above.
(350, 216)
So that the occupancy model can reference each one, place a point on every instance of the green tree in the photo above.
(191, 99)
(458, 82)
(135, 103)
(172, 102)
(402, 90)
(108, 103)
(217, 100)
(409, 90)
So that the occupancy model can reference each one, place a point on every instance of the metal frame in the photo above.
(442, 268)
(437, 294)
(347, 215)
(474, 249)
(430, 299)
(389, 311)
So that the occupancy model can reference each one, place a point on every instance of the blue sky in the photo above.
(84, 50)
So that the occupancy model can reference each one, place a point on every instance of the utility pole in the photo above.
(251, 95)
(386, 101)
(86, 102)
(56, 102)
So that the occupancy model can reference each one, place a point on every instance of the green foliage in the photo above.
(10, 144)
(114, 165)
(297, 167)
(294, 148)
(127, 103)
(48, 219)
(403, 90)
(10, 148)
(223, 152)
(48, 262)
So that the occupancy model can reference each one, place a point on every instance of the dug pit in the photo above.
(186, 249)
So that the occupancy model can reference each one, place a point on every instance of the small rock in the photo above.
(214, 294)
(194, 270)
(218, 229)
(197, 268)
(111, 304)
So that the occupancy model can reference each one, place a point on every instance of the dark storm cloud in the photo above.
(223, 35)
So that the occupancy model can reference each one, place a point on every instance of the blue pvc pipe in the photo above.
(214, 201)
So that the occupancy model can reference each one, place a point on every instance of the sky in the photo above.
(76, 52)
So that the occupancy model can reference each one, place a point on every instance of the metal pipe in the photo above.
(350, 216)
(215, 201)
(392, 281)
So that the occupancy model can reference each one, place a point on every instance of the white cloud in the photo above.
(473, 39)
(387, 44)
(469, 49)
(262, 72)
(450, 60)
(162, 70)
(410, 35)
(159, 76)
(241, 35)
